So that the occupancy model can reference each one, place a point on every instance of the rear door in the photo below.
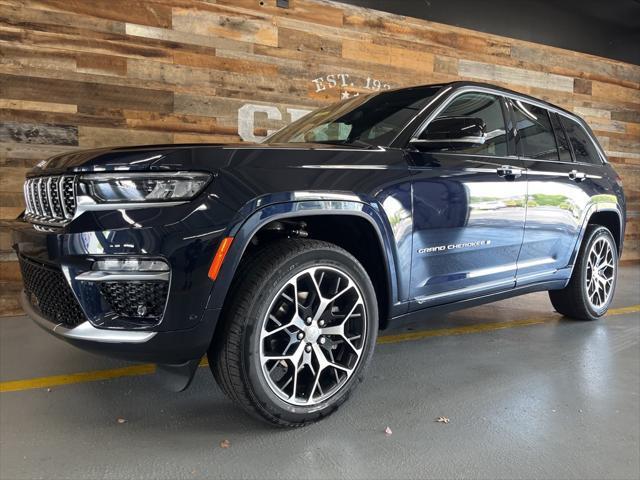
(556, 198)
(468, 203)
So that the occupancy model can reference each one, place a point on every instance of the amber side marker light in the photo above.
(223, 248)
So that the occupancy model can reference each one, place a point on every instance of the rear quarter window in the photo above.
(583, 148)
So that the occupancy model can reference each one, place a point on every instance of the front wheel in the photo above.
(299, 332)
(590, 290)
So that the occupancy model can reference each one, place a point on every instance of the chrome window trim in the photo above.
(422, 110)
(529, 159)
(512, 96)
(479, 155)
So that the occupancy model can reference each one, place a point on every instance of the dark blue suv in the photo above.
(282, 260)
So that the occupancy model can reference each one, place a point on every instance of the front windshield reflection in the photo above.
(364, 121)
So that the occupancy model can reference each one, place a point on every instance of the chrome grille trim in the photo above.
(50, 200)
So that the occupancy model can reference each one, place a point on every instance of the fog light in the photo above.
(130, 265)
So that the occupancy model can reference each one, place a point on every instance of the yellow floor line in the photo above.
(624, 310)
(58, 380)
(147, 369)
(466, 329)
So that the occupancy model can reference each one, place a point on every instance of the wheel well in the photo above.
(355, 234)
(611, 221)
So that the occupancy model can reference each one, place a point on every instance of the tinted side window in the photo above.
(563, 143)
(583, 147)
(472, 123)
(535, 133)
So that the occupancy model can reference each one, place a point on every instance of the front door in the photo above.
(469, 194)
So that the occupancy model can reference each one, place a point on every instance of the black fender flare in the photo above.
(590, 211)
(243, 231)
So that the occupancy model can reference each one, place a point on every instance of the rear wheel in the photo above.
(590, 290)
(299, 332)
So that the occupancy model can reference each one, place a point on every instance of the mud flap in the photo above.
(177, 377)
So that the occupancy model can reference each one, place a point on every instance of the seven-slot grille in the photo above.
(50, 200)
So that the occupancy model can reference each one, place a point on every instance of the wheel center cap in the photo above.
(311, 333)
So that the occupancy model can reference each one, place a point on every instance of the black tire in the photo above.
(573, 300)
(235, 355)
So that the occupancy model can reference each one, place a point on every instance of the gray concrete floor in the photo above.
(557, 400)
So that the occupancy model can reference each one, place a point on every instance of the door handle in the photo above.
(577, 176)
(508, 172)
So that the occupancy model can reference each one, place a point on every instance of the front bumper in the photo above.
(185, 238)
(169, 348)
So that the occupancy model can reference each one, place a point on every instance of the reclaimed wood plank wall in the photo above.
(76, 74)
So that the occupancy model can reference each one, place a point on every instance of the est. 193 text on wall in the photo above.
(81, 74)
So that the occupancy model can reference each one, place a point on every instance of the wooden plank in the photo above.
(12, 179)
(22, 15)
(26, 155)
(592, 112)
(323, 13)
(96, 137)
(616, 93)
(173, 123)
(185, 37)
(299, 40)
(213, 62)
(626, 115)
(515, 76)
(9, 294)
(44, 134)
(71, 39)
(447, 65)
(387, 55)
(84, 116)
(175, 77)
(101, 64)
(246, 28)
(84, 93)
(145, 13)
(576, 64)
(200, 138)
(37, 106)
(583, 86)
(9, 271)
(14, 54)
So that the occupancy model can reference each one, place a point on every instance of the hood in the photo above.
(210, 157)
(134, 159)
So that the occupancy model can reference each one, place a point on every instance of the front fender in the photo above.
(254, 215)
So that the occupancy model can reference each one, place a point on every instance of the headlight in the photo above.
(121, 187)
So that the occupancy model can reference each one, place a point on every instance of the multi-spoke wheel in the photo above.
(299, 332)
(313, 335)
(601, 272)
(590, 290)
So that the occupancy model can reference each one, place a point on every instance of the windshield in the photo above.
(365, 120)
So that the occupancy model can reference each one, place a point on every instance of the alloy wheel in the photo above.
(313, 336)
(601, 270)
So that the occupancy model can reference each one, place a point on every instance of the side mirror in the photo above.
(451, 133)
